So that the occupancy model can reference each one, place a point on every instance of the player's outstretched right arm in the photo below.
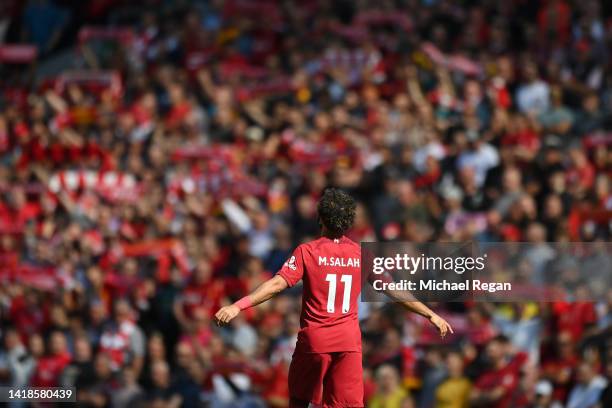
(265, 291)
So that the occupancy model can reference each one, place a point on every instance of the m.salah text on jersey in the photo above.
(334, 261)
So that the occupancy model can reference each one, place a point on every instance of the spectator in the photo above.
(454, 391)
(587, 391)
(50, 367)
(434, 375)
(16, 364)
(100, 392)
(80, 373)
(606, 395)
(496, 385)
(123, 340)
(130, 391)
(558, 119)
(533, 96)
(590, 117)
(162, 394)
(389, 393)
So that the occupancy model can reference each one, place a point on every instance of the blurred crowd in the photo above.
(176, 161)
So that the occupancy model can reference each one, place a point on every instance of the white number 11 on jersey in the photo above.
(331, 295)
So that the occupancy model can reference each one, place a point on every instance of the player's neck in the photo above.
(329, 235)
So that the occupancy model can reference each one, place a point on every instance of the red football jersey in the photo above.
(331, 272)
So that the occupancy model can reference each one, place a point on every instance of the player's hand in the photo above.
(441, 324)
(226, 314)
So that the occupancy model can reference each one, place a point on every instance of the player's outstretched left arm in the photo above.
(420, 308)
(265, 291)
(408, 300)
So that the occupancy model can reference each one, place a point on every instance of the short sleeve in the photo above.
(293, 269)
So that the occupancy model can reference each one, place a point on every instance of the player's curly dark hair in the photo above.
(336, 211)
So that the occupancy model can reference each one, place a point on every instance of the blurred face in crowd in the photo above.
(58, 343)
(216, 346)
(536, 233)
(123, 310)
(496, 352)
(94, 275)
(195, 371)
(97, 312)
(156, 347)
(530, 72)
(512, 180)
(473, 92)
(184, 354)
(11, 340)
(585, 373)
(58, 316)
(405, 192)
(203, 272)
(578, 157)
(557, 182)
(392, 341)
(408, 403)
(200, 318)
(160, 374)
(565, 344)
(129, 377)
(556, 96)
(591, 103)
(82, 349)
(102, 366)
(17, 198)
(130, 268)
(387, 379)
(553, 208)
(433, 357)
(37, 345)
(454, 363)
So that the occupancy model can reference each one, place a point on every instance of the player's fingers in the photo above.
(450, 328)
(221, 317)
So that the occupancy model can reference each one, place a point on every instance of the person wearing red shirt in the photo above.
(554, 21)
(581, 174)
(559, 368)
(495, 386)
(574, 318)
(49, 368)
(202, 292)
(326, 365)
